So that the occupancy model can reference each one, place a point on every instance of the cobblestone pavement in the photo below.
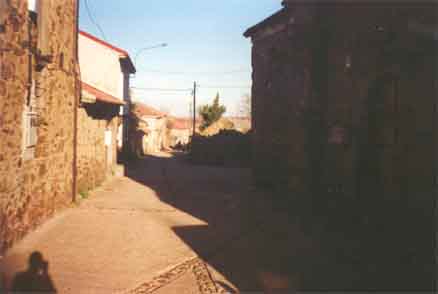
(196, 268)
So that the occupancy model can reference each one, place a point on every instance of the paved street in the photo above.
(164, 217)
(172, 227)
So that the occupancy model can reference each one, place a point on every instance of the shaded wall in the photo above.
(280, 99)
(344, 130)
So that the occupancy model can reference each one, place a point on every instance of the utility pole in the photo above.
(190, 109)
(194, 109)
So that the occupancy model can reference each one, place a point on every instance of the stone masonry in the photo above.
(94, 163)
(32, 188)
(344, 128)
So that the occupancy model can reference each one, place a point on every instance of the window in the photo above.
(32, 5)
(29, 133)
(30, 126)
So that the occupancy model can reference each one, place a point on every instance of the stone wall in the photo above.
(344, 130)
(34, 188)
(93, 162)
(280, 99)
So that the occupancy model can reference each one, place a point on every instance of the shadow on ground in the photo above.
(248, 247)
(35, 279)
(252, 244)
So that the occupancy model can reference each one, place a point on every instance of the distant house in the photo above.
(105, 73)
(240, 123)
(180, 130)
(149, 132)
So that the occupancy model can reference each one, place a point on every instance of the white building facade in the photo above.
(108, 69)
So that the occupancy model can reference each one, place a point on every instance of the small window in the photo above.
(29, 133)
(32, 5)
(30, 126)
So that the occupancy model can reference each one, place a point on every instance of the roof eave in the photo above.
(127, 64)
(271, 20)
(121, 103)
(102, 97)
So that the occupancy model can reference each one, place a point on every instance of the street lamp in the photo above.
(147, 48)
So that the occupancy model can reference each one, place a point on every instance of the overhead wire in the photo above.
(94, 21)
(190, 89)
(225, 87)
(162, 89)
(196, 73)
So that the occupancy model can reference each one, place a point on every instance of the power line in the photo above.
(225, 87)
(186, 94)
(196, 73)
(94, 21)
(162, 89)
(187, 90)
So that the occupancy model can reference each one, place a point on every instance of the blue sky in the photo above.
(205, 44)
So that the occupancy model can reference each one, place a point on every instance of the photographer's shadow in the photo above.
(36, 278)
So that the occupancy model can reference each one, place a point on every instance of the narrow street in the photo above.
(153, 228)
(172, 227)
(218, 146)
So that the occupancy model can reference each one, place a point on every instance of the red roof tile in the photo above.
(106, 44)
(181, 123)
(100, 95)
(141, 109)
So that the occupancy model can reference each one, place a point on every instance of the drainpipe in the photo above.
(76, 105)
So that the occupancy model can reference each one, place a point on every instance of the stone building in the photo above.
(180, 131)
(344, 128)
(240, 123)
(149, 132)
(105, 71)
(38, 98)
(98, 124)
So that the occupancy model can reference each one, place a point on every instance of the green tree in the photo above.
(211, 113)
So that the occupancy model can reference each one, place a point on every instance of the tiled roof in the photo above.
(141, 109)
(181, 123)
(273, 19)
(100, 95)
(106, 44)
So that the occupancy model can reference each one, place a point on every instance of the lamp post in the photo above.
(147, 48)
(126, 131)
